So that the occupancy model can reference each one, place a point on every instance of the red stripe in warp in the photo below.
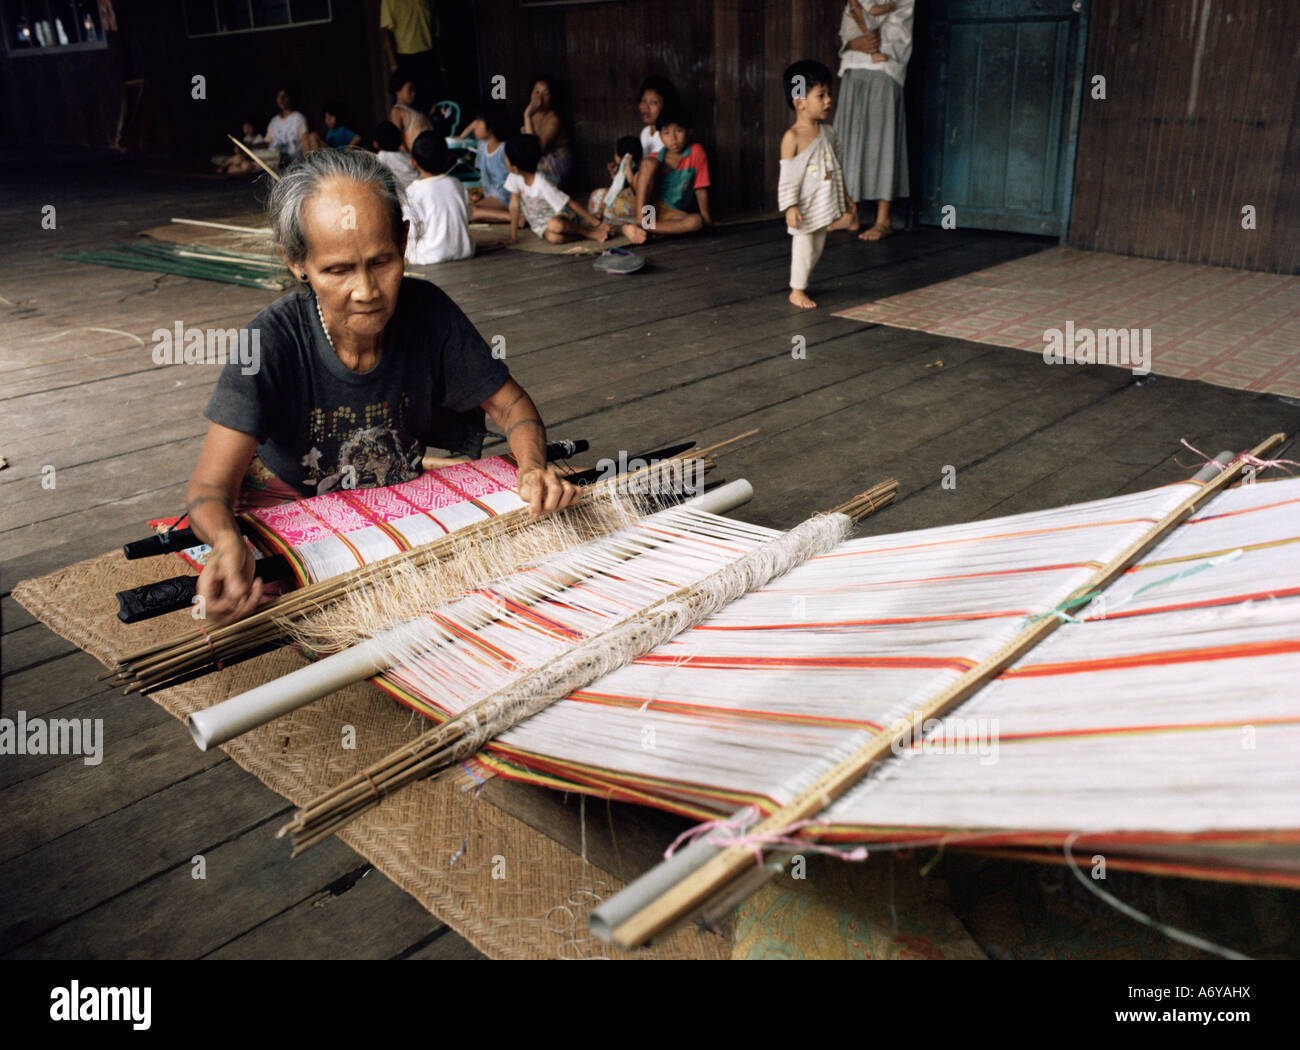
(1108, 730)
(741, 662)
(865, 623)
(1243, 510)
(1168, 656)
(1286, 592)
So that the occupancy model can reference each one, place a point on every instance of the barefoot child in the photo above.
(539, 202)
(491, 128)
(675, 181)
(811, 189)
(437, 206)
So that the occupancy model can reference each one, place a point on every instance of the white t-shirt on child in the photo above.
(285, 133)
(540, 202)
(542, 187)
(438, 209)
(400, 165)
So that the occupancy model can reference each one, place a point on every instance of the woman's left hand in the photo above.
(545, 491)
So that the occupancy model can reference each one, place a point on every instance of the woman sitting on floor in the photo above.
(542, 119)
(358, 372)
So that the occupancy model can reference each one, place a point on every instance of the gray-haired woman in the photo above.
(356, 373)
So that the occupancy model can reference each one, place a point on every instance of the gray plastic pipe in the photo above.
(1209, 472)
(223, 722)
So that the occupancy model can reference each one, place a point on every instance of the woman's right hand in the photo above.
(227, 590)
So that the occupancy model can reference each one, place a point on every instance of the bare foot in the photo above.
(599, 233)
(634, 233)
(800, 299)
(847, 221)
(877, 232)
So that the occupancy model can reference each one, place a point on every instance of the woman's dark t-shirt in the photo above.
(322, 426)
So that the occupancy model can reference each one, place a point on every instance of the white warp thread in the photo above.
(636, 636)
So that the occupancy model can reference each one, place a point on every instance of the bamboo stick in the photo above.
(255, 158)
(712, 878)
(265, 230)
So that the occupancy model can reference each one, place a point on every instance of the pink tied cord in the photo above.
(1242, 457)
(731, 832)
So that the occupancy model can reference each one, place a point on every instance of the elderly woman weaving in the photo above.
(357, 372)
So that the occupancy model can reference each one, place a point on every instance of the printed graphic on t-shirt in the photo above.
(349, 453)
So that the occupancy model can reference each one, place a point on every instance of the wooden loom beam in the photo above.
(711, 879)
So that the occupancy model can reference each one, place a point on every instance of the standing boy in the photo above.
(811, 188)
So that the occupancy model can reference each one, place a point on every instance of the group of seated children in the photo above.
(661, 180)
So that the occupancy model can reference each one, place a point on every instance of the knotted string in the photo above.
(1242, 457)
(731, 832)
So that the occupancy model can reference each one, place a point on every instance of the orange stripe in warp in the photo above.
(1168, 656)
(1281, 720)
(866, 623)
(740, 662)
(733, 713)
(892, 584)
(472, 637)
(995, 536)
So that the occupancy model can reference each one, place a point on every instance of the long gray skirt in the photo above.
(872, 127)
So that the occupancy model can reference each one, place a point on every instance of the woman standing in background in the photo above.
(876, 44)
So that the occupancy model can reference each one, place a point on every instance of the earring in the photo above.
(303, 276)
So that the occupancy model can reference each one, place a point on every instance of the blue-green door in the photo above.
(1001, 90)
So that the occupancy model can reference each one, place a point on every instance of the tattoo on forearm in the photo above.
(520, 422)
(189, 507)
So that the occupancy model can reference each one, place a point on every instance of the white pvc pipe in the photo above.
(722, 499)
(223, 722)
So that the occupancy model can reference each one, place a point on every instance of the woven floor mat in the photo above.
(1232, 328)
(512, 892)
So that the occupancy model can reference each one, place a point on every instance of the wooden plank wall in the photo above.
(725, 56)
(1202, 116)
(75, 98)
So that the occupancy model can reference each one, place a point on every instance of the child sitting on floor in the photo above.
(491, 128)
(337, 133)
(388, 141)
(539, 202)
(811, 189)
(674, 182)
(617, 203)
(437, 206)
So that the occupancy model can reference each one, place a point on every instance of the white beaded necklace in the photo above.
(323, 328)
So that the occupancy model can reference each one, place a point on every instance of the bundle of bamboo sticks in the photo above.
(196, 653)
(445, 745)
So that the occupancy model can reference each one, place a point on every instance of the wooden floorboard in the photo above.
(98, 861)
